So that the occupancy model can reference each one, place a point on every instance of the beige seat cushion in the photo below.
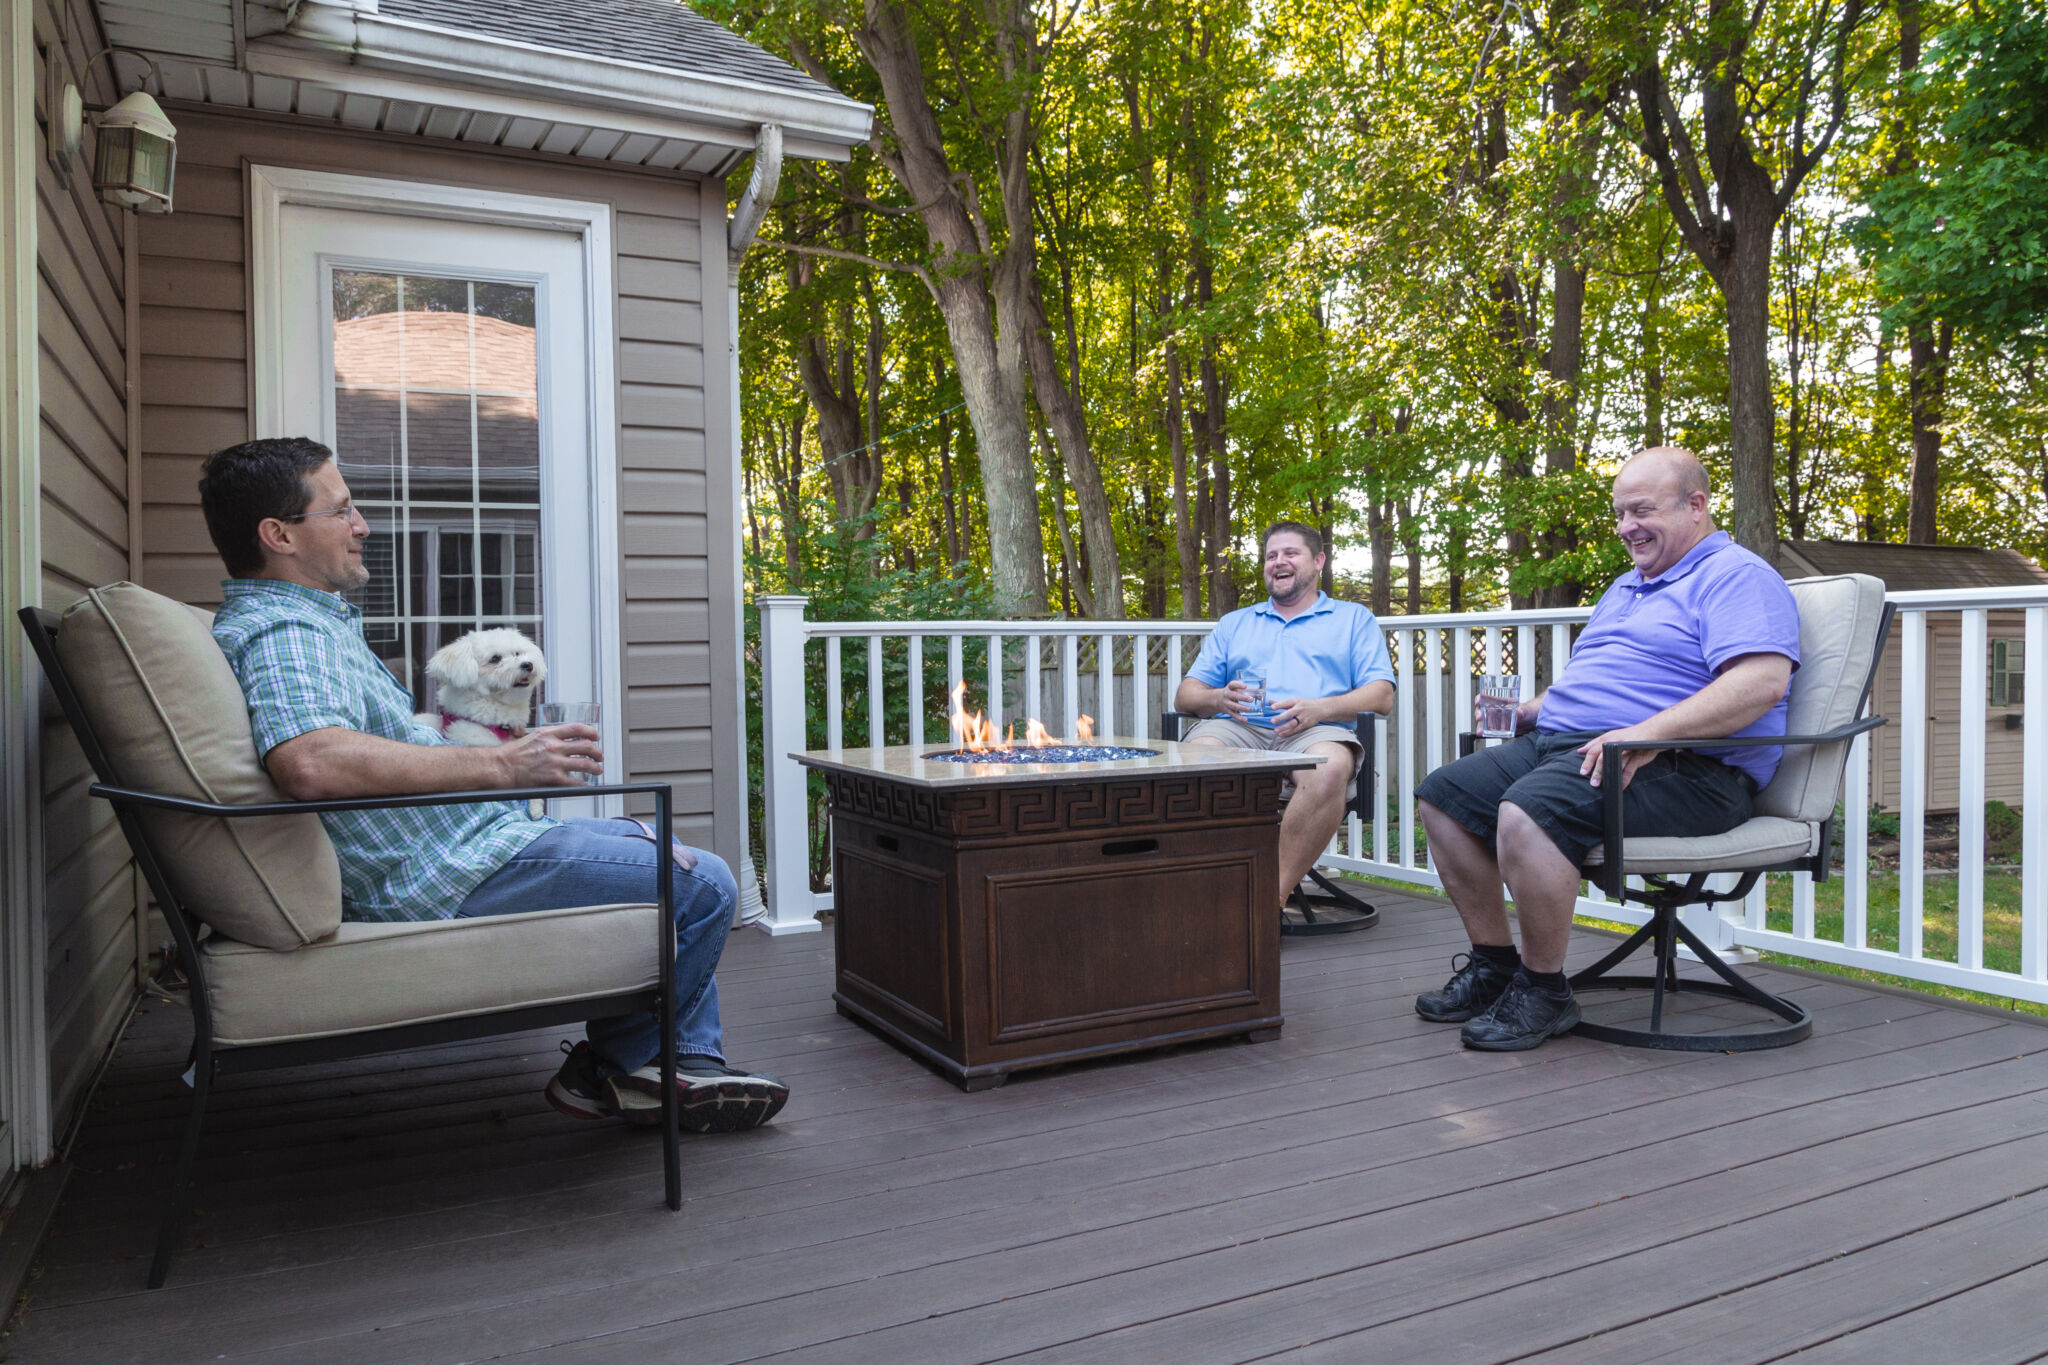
(172, 718)
(371, 976)
(1760, 841)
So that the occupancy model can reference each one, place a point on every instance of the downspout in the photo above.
(740, 232)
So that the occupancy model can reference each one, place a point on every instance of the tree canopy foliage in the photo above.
(1118, 282)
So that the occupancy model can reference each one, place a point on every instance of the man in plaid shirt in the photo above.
(331, 722)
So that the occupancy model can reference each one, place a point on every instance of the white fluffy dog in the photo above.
(485, 683)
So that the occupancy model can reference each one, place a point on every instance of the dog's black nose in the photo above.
(526, 666)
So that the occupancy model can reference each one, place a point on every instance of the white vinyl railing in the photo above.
(1123, 673)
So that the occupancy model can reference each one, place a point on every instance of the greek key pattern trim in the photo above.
(1113, 803)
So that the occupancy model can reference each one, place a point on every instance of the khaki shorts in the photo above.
(1236, 734)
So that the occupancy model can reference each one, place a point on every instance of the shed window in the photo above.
(2008, 672)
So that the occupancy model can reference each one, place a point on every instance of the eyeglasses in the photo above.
(349, 512)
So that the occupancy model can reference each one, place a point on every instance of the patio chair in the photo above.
(251, 888)
(1843, 624)
(1330, 909)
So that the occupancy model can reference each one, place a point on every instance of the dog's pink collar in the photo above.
(503, 732)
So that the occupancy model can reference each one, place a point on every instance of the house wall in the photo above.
(82, 320)
(195, 330)
(2002, 774)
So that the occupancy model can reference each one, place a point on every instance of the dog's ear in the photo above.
(454, 664)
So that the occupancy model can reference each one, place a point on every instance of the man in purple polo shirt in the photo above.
(1700, 638)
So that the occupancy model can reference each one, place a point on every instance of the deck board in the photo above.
(1360, 1188)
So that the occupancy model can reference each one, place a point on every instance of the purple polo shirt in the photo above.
(1650, 645)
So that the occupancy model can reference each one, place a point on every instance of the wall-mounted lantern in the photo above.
(135, 151)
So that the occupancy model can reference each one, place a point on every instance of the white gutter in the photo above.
(815, 123)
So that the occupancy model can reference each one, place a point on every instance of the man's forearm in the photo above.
(335, 764)
(1376, 696)
(1740, 697)
(1198, 699)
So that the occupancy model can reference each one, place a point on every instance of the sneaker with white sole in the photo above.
(712, 1097)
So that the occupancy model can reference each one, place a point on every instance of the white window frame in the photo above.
(272, 188)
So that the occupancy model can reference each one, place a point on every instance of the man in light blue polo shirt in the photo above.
(1699, 639)
(1323, 662)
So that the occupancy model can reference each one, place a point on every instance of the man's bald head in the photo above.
(1677, 468)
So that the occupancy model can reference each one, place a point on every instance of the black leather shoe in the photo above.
(1525, 1016)
(1475, 985)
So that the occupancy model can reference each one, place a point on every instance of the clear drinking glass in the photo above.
(572, 713)
(1254, 681)
(1499, 695)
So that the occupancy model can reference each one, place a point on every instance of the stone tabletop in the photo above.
(905, 763)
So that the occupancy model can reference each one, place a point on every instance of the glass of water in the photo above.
(572, 713)
(1254, 681)
(1499, 695)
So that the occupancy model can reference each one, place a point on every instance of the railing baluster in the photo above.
(995, 683)
(1433, 702)
(1493, 661)
(1976, 683)
(1105, 670)
(1405, 707)
(2034, 801)
(1560, 648)
(1525, 659)
(1173, 669)
(1912, 776)
(917, 691)
(1070, 686)
(835, 697)
(1856, 845)
(1034, 691)
(1461, 680)
(1141, 686)
(1802, 905)
(1379, 790)
(954, 672)
(877, 736)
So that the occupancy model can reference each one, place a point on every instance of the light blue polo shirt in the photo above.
(303, 665)
(1326, 651)
(1651, 644)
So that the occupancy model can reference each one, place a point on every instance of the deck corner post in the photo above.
(785, 814)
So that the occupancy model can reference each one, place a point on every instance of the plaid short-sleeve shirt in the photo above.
(303, 665)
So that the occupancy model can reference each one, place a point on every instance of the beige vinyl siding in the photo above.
(195, 395)
(81, 323)
(2002, 772)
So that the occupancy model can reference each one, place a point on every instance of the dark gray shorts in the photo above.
(1677, 794)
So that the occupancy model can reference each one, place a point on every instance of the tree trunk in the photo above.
(1186, 542)
(1746, 292)
(991, 368)
(946, 491)
(1926, 386)
(1380, 533)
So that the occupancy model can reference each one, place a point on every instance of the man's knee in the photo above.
(1519, 835)
(709, 885)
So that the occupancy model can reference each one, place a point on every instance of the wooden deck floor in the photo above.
(1360, 1190)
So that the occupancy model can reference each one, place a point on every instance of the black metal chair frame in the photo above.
(1332, 909)
(210, 1061)
(1665, 932)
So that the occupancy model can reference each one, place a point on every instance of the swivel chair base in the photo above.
(1666, 932)
(1332, 910)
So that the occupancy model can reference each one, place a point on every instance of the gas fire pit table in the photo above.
(995, 915)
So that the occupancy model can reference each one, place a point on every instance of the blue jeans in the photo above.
(609, 862)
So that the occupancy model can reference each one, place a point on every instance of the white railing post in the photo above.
(1913, 776)
(1970, 792)
(785, 814)
(2034, 801)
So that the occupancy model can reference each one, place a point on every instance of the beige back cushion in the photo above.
(1838, 621)
(172, 719)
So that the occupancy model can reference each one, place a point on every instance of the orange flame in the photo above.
(975, 734)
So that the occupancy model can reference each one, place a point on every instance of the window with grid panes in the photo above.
(437, 430)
